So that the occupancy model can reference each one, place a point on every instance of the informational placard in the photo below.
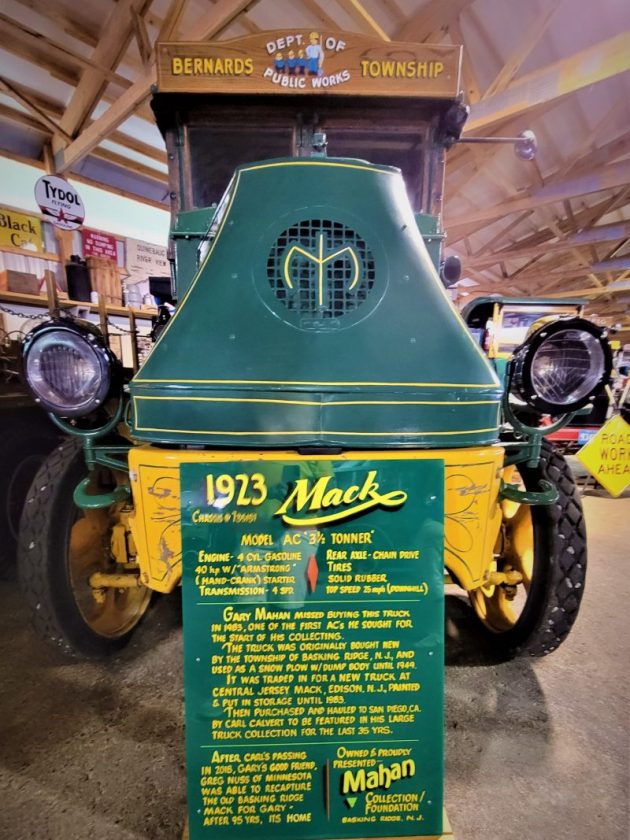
(313, 646)
(17, 230)
(304, 61)
(59, 202)
(97, 244)
(144, 259)
(607, 455)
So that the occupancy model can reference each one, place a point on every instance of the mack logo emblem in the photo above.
(320, 261)
(312, 497)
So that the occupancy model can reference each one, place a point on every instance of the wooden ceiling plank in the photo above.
(587, 216)
(601, 178)
(584, 218)
(131, 165)
(500, 236)
(112, 44)
(34, 109)
(84, 179)
(69, 25)
(472, 90)
(118, 137)
(600, 129)
(394, 9)
(427, 20)
(217, 19)
(358, 11)
(169, 25)
(320, 14)
(142, 37)
(603, 233)
(576, 72)
(44, 45)
(530, 40)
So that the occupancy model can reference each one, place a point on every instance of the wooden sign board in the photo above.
(310, 62)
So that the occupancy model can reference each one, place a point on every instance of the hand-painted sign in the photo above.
(59, 202)
(303, 61)
(97, 244)
(313, 646)
(607, 455)
(20, 231)
(143, 259)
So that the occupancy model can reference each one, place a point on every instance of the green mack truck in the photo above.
(311, 318)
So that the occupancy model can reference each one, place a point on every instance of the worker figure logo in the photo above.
(321, 270)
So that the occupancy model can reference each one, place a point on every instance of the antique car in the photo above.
(311, 317)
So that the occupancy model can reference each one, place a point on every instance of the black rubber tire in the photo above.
(559, 562)
(43, 572)
(26, 439)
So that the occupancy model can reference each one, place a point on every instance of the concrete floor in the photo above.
(534, 749)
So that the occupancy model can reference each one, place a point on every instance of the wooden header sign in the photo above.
(307, 62)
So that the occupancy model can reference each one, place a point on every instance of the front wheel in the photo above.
(60, 547)
(546, 545)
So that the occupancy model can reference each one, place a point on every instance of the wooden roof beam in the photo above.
(530, 40)
(145, 47)
(80, 31)
(124, 140)
(39, 44)
(112, 44)
(167, 27)
(319, 13)
(430, 18)
(357, 10)
(601, 178)
(26, 102)
(603, 233)
(472, 90)
(594, 64)
(217, 19)
(584, 218)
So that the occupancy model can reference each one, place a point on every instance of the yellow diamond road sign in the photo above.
(607, 455)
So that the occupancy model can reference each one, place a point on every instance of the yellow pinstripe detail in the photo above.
(316, 403)
(309, 382)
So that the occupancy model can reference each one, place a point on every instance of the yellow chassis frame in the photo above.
(472, 514)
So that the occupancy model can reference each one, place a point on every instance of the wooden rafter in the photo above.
(111, 47)
(594, 64)
(142, 37)
(40, 115)
(168, 26)
(603, 178)
(358, 11)
(320, 14)
(472, 90)
(430, 18)
(530, 40)
(118, 137)
(218, 18)
(22, 40)
(79, 30)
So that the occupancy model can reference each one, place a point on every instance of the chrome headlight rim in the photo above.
(93, 342)
(523, 381)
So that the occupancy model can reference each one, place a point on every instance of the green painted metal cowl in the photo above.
(316, 319)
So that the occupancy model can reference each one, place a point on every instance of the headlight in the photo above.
(561, 366)
(67, 367)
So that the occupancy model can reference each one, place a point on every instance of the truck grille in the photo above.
(320, 269)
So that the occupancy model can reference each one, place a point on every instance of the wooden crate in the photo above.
(19, 281)
(105, 279)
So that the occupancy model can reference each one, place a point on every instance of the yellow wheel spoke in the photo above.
(111, 612)
(514, 550)
(521, 553)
